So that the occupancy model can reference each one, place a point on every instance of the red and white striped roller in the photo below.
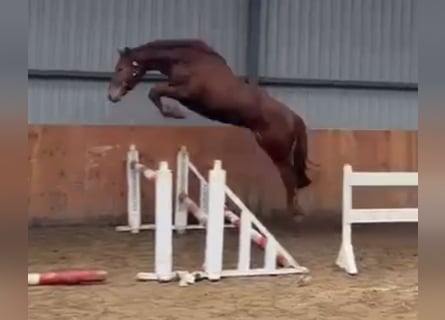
(69, 277)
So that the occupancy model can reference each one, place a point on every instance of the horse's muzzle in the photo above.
(113, 99)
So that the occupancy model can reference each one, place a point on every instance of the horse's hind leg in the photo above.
(287, 173)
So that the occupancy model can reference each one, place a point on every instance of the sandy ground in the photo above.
(386, 288)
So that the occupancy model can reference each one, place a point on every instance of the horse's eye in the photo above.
(119, 69)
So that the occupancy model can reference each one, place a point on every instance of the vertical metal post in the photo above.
(253, 40)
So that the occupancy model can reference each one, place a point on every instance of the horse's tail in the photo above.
(300, 157)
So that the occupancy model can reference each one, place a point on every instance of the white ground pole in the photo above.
(346, 258)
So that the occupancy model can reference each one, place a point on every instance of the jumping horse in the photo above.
(199, 78)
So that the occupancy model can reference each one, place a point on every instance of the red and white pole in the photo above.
(69, 277)
(257, 238)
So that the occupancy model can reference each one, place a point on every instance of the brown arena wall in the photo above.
(78, 172)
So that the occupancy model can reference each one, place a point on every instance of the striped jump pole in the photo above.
(256, 237)
(69, 277)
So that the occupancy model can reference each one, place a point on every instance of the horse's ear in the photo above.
(123, 52)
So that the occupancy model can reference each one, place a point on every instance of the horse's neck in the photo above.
(157, 60)
(163, 67)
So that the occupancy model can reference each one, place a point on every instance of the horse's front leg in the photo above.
(164, 90)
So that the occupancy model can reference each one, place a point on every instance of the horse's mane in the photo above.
(194, 44)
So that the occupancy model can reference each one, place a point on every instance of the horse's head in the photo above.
(127, 74)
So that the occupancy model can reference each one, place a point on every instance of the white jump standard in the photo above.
(185, 205)
(211, 214)
(251, 229)
(346, 257)
(134, 170)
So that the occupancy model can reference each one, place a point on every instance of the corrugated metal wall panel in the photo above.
(352, 109)
(78, 102)
(85, 34)
(374, 40)
(85, 102)
(341, 39)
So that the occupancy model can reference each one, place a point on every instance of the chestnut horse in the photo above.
(200, 79)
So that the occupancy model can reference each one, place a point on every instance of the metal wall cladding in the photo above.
(372, 40)
(85, 103)
(85, 34)
(352, 109)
